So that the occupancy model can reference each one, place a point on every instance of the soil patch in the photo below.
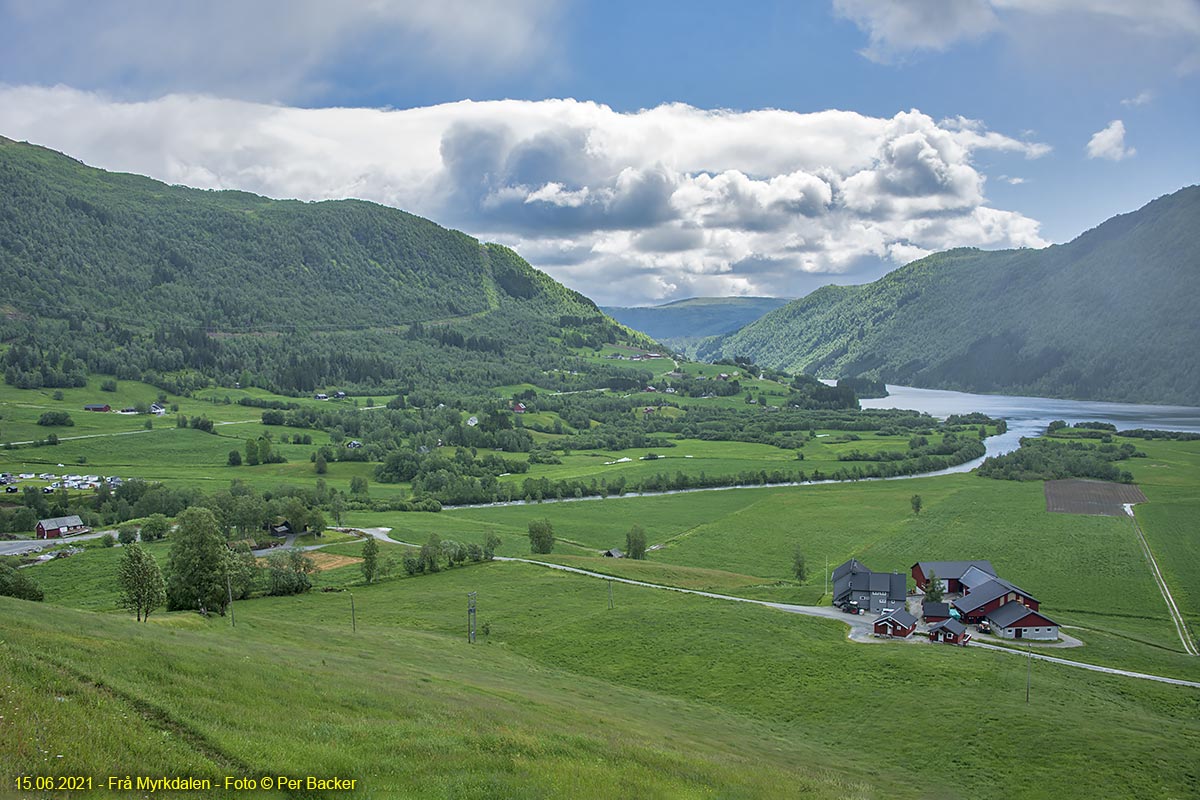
(1076, 496)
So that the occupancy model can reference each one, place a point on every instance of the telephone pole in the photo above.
(229, 589)
(471, 617)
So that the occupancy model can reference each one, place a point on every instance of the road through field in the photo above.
(1189, 646)
(854, 622)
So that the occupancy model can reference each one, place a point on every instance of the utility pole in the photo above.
(353, 618)
(229, 589)
(610, 599)
(825, 588)
(471, 617)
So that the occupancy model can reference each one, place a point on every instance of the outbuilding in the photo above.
(1014, 620)
(949, 631)
(983, 600)
(97, 407)
(613, 553)
(935, 612)
(57, 527)
(898, 624)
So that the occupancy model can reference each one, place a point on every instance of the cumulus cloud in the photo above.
(276, 50)
(897, 29)
(1109, 143)
(626, 207)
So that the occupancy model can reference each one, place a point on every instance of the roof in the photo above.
(953, 569)
(932, 609)
(863, 580)
(901, 618)
(853, 565)
(974, 576)
(614, 553)
(61, 522)
(952, 625)
(97, 405)
(1007, 615)
(986, 593)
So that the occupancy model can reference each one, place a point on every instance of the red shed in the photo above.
(898, 624)
(949, 631)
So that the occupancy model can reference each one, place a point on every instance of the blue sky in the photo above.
(641, 152)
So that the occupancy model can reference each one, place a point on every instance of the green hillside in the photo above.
(120, 274)
(694, 317)
(1111, 315)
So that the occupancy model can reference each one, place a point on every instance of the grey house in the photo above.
(856, 586)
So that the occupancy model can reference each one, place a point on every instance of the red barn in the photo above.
(57, 527)
(935, 612)
(948, 572)
(982, 600)
(898, 624)
(949, 631)
(97, 407)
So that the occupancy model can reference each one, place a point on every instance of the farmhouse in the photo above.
(519, 408)
(950, 573)
(857, 587)
(613, 553)
(97, 407)
(56, 527)
(1017, 621)
(949, 631)
(898, 624)
(982, 600)
(935, 612)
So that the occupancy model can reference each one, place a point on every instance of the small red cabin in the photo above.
(949, 631)
(898, 624)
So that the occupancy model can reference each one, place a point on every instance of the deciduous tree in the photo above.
(141, 582)
(635, 542)
(370, 559)
(196, 566)
(541, 536)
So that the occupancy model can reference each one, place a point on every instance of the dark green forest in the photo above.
(1110, 316)
(123, 275)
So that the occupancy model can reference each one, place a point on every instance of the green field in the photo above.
(664, 696)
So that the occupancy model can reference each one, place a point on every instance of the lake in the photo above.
(1029, 416)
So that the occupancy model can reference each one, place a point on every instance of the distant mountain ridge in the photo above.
(1112, 315)
(121, 274)
(695, 316)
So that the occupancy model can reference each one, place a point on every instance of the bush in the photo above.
(127, 533)
(108, 385)
(107, 540)
(15, 583)
(55, 418)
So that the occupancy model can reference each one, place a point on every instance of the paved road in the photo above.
(857, 624)
(1189, 646)
(1081, 665)
(22, 546)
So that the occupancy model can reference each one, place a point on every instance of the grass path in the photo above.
(1189, 646)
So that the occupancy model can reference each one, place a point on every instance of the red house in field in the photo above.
(57, 527)
(897, 624)
(97, 407)
(982, 600)
(949, 631)
(950, 573)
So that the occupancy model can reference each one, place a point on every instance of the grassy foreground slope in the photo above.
(664, 696)
(1106, 316)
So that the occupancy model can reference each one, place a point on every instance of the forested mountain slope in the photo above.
(696, 316)
(122, 274)
(1112, 315)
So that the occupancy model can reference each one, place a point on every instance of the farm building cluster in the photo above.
(972, 594)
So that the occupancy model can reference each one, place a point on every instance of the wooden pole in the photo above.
(229, 589)
(353, 620)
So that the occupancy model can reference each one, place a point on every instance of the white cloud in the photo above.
(1109, 143)
(1140, 99)
(1012, 180)
(896, 29)
(626, 207)
(271, 50)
